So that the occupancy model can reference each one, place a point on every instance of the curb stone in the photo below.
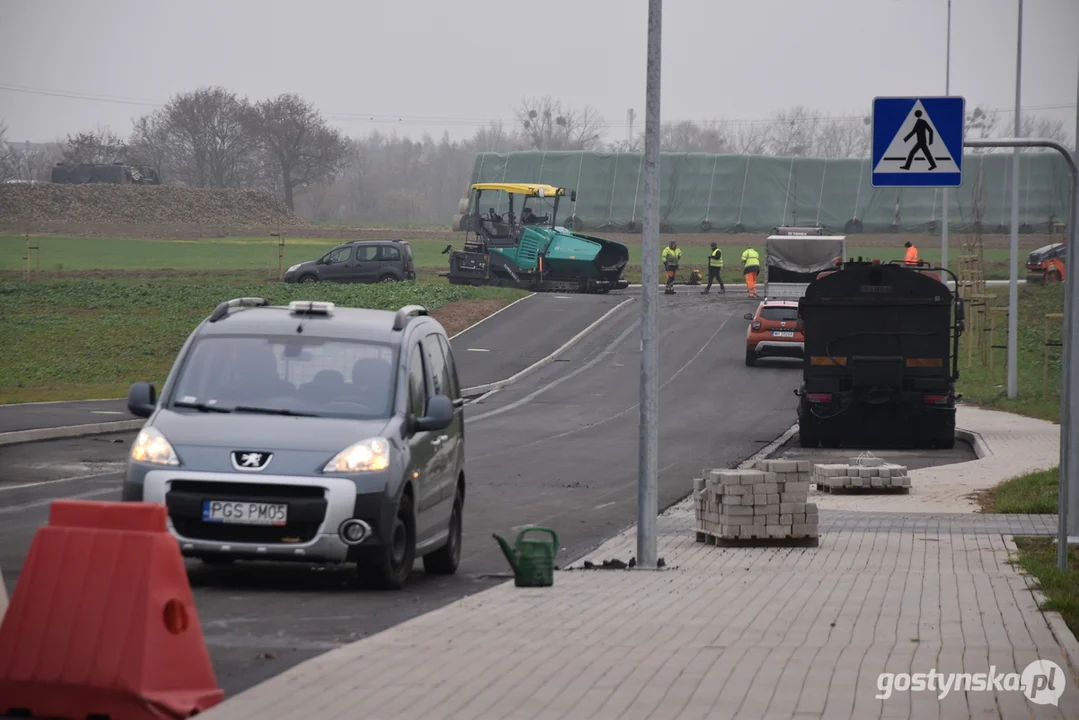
(68, 431)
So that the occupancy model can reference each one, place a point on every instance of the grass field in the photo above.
(68, 255)
(80, 339)
(1032, 494)
(1038, 557)
(984, 382)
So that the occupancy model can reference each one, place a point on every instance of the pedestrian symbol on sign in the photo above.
(921, 129)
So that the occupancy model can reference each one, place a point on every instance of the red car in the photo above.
(774, 331)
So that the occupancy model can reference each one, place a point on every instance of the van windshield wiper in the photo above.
(273, 411)
(202, 407)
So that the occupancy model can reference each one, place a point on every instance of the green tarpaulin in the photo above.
(740, 193)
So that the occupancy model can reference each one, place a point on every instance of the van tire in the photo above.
(387, 278)
(385, 572)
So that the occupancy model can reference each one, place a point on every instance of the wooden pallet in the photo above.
(863, 490)
(717, 541)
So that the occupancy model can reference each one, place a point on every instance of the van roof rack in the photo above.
(223, 308)
(402, 316)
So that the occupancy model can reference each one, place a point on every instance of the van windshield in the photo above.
(288, 376)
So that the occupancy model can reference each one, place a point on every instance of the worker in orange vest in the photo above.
(912, 254)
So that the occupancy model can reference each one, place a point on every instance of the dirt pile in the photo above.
(107, 209)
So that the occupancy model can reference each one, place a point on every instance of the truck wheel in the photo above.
(751, 358)
(807, 440)
(391, 569)
(831, 443)
(944, 443)
(1053, 276)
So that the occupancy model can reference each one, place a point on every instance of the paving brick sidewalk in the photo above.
(719, 633)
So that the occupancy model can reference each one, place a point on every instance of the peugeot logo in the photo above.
(251, 461)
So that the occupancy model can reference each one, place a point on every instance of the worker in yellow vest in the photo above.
(670, 257)
(715, 269)
(751, 268)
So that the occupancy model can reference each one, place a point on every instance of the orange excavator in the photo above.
(1047, 264)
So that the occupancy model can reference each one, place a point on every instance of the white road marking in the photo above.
(607, 504)
(478, 350)
(9, 509)
(52, 482)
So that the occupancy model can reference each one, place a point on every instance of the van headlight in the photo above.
(368, 455)
(152, 447)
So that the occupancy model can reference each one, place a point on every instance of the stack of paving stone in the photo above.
(763, 505)
(864, 472)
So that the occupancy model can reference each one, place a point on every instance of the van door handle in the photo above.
(442, 438)
(437, 441)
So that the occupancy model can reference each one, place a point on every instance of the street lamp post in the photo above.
(648, 468)
(944, 193)
(1013, 267)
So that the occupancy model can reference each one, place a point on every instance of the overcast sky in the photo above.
(434, 65)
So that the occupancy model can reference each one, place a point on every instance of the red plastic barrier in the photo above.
(102, 621)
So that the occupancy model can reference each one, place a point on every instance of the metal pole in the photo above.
(947, 91)
(1013, 257)
(648, 469)
(1069, 396)
(1068, 490)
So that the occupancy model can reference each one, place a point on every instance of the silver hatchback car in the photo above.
(308, 433)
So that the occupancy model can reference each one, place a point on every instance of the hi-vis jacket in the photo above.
(670, 257)
(912, 256)
(750, 258)
(715, 258)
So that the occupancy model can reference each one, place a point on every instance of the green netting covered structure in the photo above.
(748, 193)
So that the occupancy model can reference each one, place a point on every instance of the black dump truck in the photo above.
(881, 357)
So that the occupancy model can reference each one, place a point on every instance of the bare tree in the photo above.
(843, 138)
(793, 132)
(8, 160)
(201, 138)
(303, 147)
(1034, 126)
(750, 139)
(101, 146)
(980, 124)
(687, 136)
(550, 126)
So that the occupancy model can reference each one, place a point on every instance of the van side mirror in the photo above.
(748, 316)
(439, 414)
(142, 399)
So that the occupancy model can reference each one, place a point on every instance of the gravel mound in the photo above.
(80, 209)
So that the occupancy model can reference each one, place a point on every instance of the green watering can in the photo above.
(532, 560)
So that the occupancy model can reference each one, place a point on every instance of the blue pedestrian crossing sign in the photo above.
(918, 141)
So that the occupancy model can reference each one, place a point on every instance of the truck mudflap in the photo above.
(903, 419)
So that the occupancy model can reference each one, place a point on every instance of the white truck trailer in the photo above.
(794, 256)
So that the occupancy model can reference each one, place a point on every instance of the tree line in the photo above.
(213, 138)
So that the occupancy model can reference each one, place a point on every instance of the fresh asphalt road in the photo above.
(495, 349)
(559, 448)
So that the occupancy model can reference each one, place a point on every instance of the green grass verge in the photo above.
(80, 339)
(1038, 557)
(984, 382)
(66, 254)
(1031, 494)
